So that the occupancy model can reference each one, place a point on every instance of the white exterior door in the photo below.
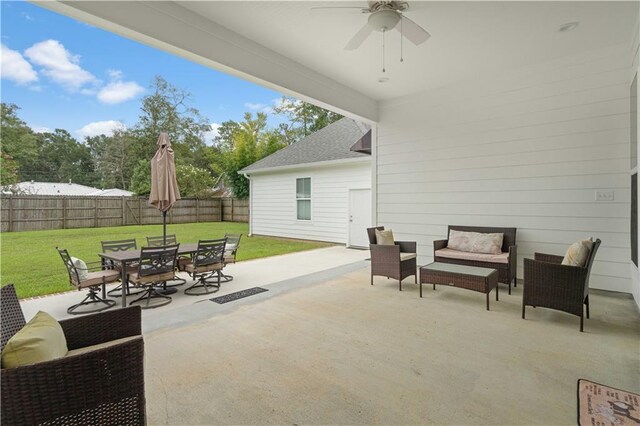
(359, 217)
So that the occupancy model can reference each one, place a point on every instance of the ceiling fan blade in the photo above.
(324, 10)
(412, 31)
(359, 38)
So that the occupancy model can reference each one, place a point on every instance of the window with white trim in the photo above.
(303, 198)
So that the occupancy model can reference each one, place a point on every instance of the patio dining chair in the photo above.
(230, 252)
(157, 265)
(159, 241)
(115, 246)
(93, 277)
(206, 267)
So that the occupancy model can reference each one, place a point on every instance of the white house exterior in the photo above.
(315, 189)
(502, 118)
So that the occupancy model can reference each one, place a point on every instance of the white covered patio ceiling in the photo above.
(282, 45)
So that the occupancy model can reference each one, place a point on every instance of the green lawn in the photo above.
(31, 262)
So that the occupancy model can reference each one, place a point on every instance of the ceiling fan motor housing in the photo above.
(384, 20)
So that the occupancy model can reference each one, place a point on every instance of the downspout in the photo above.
(250, 204)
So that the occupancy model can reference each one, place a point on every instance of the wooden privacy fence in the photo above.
(39, 212)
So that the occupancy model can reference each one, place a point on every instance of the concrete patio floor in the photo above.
(341, 351)
(247, 274)
(324, 346)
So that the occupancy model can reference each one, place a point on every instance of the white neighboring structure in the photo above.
(68, 189)
(315, 189)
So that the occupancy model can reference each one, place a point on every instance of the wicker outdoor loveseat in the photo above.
(505, 263)
(100, 381)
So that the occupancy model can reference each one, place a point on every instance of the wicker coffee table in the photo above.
(469, 277)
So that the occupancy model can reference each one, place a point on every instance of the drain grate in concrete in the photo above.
(238, 295)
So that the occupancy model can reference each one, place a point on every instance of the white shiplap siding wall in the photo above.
(274, 201)
(527, 149)
(635, 68)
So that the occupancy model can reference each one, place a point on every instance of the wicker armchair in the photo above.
(549, 284)
(104, 385)
(397, 261)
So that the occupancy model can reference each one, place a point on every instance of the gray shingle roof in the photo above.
(327, 144)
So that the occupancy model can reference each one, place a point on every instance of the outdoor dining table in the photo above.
(131, 256)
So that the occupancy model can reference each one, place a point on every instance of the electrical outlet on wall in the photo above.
(605, 195)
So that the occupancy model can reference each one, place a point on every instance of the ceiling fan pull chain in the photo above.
(383, 68)
(401, 37)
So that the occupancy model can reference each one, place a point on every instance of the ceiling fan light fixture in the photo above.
(384, 20)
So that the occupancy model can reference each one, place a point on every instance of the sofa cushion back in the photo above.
(508, 240)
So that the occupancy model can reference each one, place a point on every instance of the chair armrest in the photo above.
(101, 384)
(102, 327)
(439, 244)
(549, 258)
(93, 266)
(384, 254)
(553, 277)
(407, 246)
(513, 257)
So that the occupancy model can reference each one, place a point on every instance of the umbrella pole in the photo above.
(164, 290)
(164, 227)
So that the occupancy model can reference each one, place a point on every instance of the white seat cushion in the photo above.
(477, 257)
(86, 349)
(407, 256)
(98, 277)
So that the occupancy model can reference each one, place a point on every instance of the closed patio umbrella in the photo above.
(164, 186)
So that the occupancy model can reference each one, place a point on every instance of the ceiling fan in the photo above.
(383, 16)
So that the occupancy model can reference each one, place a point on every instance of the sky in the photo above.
(66, 74)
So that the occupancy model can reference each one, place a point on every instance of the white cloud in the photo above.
(14, 67)
(282, 102)
(60, 65)
(114, 74)
(40, 129)
(119, 91)
(254, 107)
(268, 109)
(210, 135)
(100, 128)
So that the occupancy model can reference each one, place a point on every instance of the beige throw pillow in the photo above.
(578, 253)
(81, 267)
(41, 339)
(385, 238)
(475, 242)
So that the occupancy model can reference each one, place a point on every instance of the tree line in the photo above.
(122, 160)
